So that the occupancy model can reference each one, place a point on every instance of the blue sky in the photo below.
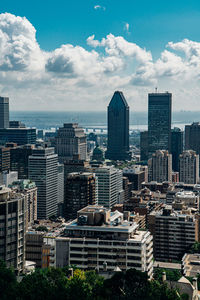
(73, 55)
(152, 23)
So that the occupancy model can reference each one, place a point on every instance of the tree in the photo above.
(8, 282)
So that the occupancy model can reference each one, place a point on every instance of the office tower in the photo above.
(19, 159)
(29, 190)
(144, 145)
(110, 186)
(20, 136)
(12, 237)
(70, 141)
(118, 128)
(80, 191)
(60, 189)
(159, 122)
(43, 170)
(107, 241)
(192, 138)
(160, 166)
(189, 167)
(4, 158)
(176, 147)
(4, 112)
(173, 233)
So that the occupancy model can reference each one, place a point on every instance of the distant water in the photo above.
(49, 119)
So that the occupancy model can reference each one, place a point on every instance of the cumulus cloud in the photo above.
(85, 76)
(19, 49)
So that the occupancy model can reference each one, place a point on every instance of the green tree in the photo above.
(8, 282)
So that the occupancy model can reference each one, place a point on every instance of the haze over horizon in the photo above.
(73, 56)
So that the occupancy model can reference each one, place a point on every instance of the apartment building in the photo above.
(99, 237)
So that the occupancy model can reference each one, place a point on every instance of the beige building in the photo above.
(70, 141)
(160, 166)
(189, 167)
(101, 239)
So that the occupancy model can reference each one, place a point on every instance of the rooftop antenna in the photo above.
(156, 89)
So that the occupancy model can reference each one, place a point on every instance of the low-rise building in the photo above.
(99, 237)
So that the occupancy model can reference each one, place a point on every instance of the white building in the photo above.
(110, 186)
(43, 170)
(99, 237)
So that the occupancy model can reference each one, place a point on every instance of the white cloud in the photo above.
(19, 49)
(73, 77)
(126, 27)
(99, 7)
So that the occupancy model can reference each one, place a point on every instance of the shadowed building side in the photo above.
(118, 128)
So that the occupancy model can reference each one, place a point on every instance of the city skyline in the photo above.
(75, 61)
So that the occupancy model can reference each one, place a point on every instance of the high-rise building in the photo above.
(12, 224)
(173, 233)
(60, 189)
(118, 128)
(43, 170)
(176, 147)
(4, 112)
(4, 159)
(144, 145)
(189, 167)
(80, 191)
(70, 141)
(20, 136)
(19, 160)
(159, 121)
(192, 137)
(160, 166)
(110, 186)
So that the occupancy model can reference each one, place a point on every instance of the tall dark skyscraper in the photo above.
(176, 147)
(159, 121)
(118, 128)
(4, 112)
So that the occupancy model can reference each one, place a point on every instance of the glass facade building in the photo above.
(118, 128)
(159, 122)
(176, 147)
(4, 112)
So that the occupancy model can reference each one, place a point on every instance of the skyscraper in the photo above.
(176, 147)
(43, 170)
(70, 141)
(159, 121)
(4, 112)
(192, 137)
(118, 128)
(110, 186)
